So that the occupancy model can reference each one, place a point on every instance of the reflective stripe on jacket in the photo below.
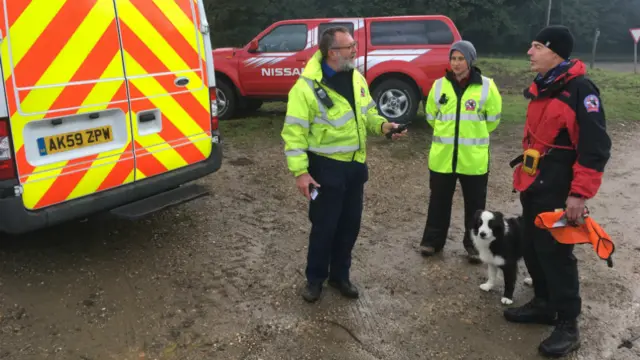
(336, 132)
(462, 124)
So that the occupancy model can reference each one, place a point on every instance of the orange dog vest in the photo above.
(586, 231)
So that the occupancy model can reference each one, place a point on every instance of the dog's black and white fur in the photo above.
(499, 244)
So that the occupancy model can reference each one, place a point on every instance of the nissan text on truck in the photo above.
(105, 105)
(400, 56)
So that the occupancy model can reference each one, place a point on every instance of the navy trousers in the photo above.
(553, 266)
(335, 217)
(442, 187)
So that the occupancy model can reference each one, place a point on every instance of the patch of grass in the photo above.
(619, 90)
(601, 57)
(262, 126)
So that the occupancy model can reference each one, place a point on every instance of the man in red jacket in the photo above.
(565, 150)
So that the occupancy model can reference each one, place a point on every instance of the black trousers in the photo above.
(335, 217)
(552, 265)
(442, 187)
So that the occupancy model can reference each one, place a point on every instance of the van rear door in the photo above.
(165, 66)
(67, 98)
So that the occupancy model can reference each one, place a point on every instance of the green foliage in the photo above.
(494, 26)
(505, 26)
(619, 90)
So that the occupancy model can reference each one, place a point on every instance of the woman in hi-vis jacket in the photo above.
(463, 108)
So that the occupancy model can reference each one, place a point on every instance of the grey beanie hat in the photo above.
(467, 49)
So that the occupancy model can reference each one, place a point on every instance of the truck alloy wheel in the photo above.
(394, 103)
(222, 102)
(396, 100)
(227, 100)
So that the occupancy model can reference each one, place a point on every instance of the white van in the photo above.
(104, 105)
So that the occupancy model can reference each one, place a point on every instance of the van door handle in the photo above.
(149, 122)
(147, 117)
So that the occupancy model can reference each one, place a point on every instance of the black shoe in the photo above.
(473, 256)
(564, 339)
(474, 259)
(535, 311)
(426, 250)
(346, 288)
(312, 292)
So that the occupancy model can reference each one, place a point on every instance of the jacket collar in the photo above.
(313, 70)
(555, 80)
(475, 76)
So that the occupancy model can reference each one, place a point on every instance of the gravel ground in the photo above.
(219, 278)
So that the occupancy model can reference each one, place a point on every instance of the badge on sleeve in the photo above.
(592, 103)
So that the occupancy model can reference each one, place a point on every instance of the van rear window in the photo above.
(411, 32)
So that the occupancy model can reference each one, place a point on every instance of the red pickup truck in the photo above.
(400, 56)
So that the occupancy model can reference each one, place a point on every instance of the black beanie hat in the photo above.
(558, 38)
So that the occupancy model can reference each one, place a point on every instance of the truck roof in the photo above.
(436, 16)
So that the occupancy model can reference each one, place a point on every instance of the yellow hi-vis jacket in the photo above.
(462, 125)
(337, 132)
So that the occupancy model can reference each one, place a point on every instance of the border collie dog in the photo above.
(499, 244)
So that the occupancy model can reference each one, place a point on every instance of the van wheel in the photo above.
(226, 100)
(396, 100)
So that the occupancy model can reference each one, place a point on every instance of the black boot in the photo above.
(430, 238)
(427, 250)
(473, 256)
(535, 311)
(346, 288)
(472, 253)
(312, 292)
(564, 339)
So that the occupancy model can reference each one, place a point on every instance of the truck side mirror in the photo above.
(253, 46)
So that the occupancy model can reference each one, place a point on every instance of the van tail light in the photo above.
(7, 167)
(214, 109)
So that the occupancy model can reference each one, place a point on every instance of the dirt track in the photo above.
(218, 278)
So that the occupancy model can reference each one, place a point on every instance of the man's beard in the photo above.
(346, 64)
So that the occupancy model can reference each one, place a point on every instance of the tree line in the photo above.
(494, 26)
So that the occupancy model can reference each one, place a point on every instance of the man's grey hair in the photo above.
(328, 39)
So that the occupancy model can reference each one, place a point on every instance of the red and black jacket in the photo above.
(566, 124)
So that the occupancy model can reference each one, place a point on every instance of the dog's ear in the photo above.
(497, 224)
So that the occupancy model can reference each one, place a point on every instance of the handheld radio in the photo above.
(397, 130)
(323, 96)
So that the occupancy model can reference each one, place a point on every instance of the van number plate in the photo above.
(74, 140)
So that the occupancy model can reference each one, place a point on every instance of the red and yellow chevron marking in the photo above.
(63, 57)
(159, 47)
(61, 48)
